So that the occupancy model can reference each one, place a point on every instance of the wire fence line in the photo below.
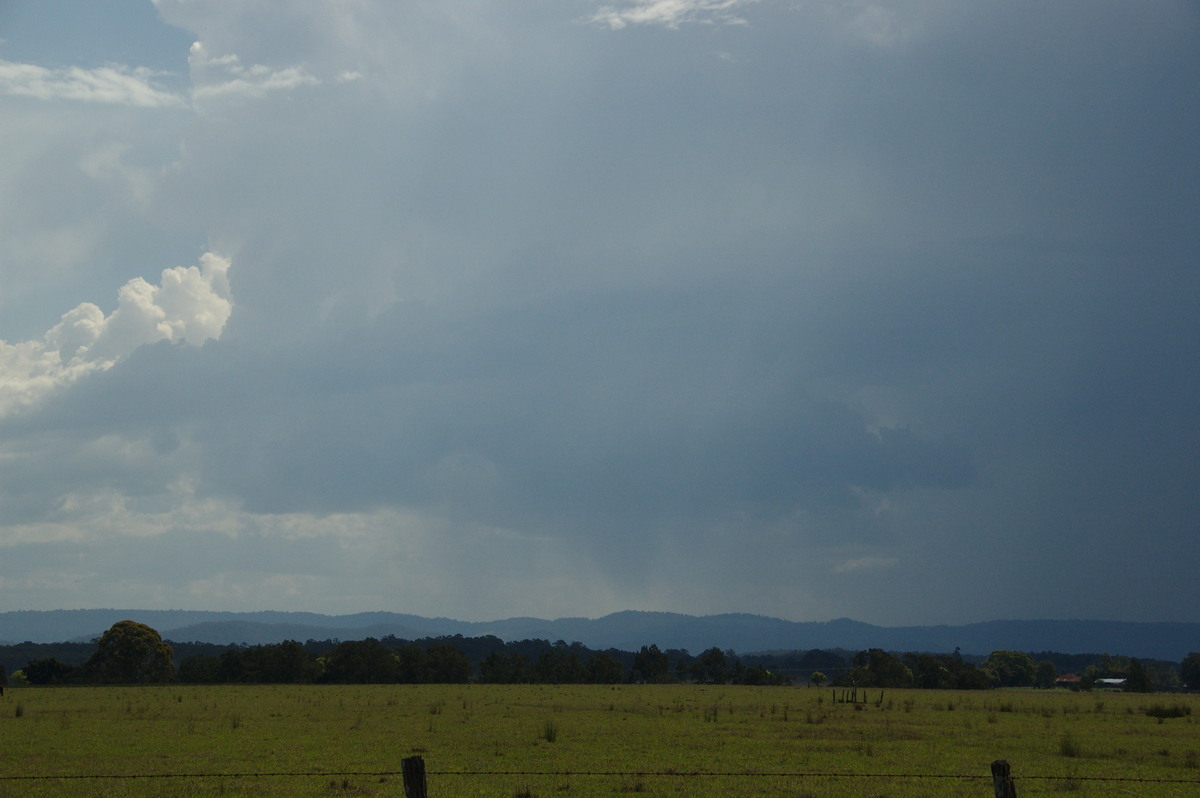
(697, 774)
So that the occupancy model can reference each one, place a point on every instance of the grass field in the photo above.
(686, 740)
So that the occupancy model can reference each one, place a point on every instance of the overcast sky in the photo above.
(807, 308)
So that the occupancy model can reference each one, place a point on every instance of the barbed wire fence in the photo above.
(415, 776)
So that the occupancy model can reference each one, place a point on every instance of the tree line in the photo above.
(878, 668)
(131, 652)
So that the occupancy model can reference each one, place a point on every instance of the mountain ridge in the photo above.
(627, 630)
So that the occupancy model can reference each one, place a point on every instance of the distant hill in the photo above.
(628, 631)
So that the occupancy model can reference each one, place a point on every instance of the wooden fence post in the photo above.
(413, 769)
(1002, 781)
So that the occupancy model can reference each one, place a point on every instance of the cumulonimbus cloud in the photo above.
(190, 305)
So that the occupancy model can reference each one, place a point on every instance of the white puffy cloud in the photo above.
(190, 305)
(224, 76)
(670, 13)
(117, 85)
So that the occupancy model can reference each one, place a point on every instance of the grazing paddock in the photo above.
(539, 740)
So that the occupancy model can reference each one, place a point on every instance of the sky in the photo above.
(804, 308)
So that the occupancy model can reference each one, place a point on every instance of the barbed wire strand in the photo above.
(599, 773)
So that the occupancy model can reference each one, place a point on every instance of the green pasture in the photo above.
(684, 740)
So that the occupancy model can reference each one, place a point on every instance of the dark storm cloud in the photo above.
(844, 299)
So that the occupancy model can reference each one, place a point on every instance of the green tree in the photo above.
(651, 665)
(131, 653)
(711, 667)
(283, 663)
(1164, 675)
(968, 677)
(1189, 671)
(877, 668)
(231, 667)
(758, 675)
(446, 664)
(932, 671)
(1046, 674)
(1011, 668)
(560, 664)
(817, 679)
(47, 671)
(413, 663)
(361, 662)
(501, 667)
(290, 663)
(945, 672)
(603, 668)
(200, 669)
(1137, 678)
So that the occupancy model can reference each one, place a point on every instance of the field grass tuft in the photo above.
(1161, 711)
(1069, 746)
